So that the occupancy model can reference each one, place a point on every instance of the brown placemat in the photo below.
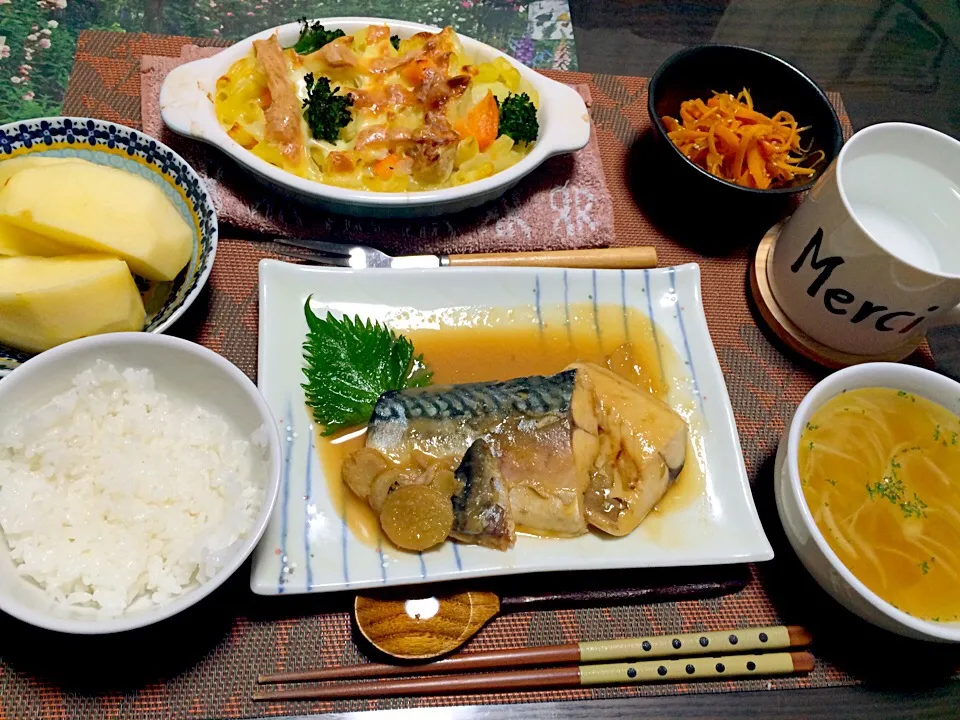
(204, 663)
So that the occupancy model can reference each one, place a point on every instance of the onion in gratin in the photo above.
(371, 111)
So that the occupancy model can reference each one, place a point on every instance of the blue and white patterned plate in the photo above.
(309, 548)
(118, 146)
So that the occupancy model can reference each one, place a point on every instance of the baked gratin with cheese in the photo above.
(372, 111)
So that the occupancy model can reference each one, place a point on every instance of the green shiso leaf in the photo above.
(350, 363)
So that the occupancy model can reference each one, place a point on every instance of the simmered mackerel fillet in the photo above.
(481, 505)
(642, 446)
(550, 455)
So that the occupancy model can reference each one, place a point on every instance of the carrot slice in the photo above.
(384, 168)
(483, 122)
(745, 140)
(757, 167)
(727, 136)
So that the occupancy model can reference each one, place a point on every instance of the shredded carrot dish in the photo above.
(728, 138)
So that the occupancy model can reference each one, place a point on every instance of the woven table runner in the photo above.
(204, 663)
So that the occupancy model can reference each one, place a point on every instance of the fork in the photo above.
(361, 256)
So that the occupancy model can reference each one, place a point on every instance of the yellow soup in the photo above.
(880, 470)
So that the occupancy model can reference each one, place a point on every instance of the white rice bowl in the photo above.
(116, 497)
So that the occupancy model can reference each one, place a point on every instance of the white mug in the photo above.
(871, 258)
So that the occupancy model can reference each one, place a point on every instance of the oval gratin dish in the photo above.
(187, 108)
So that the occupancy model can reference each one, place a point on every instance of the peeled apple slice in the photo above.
(8, 168)
(102, 210)
(48, 301)
(16, 241)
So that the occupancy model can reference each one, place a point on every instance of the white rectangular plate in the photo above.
(308, 547)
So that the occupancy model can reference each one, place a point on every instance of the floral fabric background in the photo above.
(38, 37)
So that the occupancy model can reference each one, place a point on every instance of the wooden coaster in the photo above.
(795, 338)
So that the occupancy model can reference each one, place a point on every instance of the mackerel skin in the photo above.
(453, 416)
(481, 507)
(533, 396)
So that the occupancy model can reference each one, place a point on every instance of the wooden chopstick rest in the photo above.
(648, 671)
(778, 637)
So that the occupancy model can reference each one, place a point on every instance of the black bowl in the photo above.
(774, 84)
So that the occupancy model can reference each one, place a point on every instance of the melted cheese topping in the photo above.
(420, 117)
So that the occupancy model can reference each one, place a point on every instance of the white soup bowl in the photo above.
(798, 523)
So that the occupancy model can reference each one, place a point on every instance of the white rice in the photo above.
(117, 497)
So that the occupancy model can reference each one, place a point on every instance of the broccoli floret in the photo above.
(325, 111)
(518, 118)
(395, 41)
(314, 36)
